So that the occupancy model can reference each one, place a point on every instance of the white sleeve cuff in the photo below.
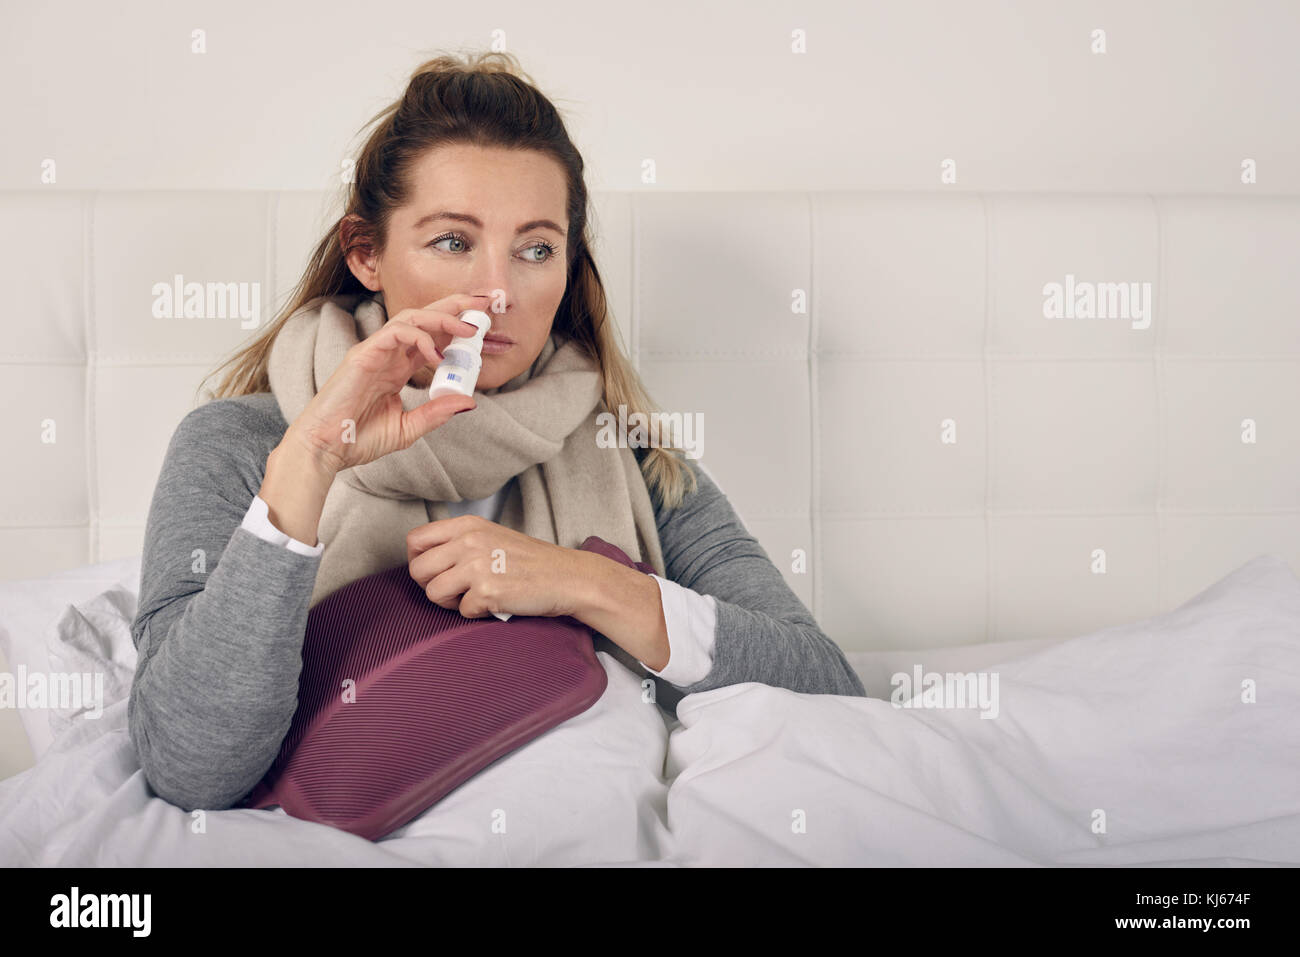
(257, 520)
(691, 619)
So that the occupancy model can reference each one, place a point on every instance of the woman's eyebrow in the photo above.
(475, 221)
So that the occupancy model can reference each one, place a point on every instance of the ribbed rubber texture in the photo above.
(438, 697)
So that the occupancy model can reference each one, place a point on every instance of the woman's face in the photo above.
(505, 238)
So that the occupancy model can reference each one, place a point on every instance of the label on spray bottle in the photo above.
(462, 360)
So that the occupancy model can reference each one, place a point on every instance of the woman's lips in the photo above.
(494, 347)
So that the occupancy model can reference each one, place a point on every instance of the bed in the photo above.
(1104, 515)
(1169, 741)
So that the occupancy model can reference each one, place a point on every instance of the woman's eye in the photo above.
(447, 239)
(544, 247)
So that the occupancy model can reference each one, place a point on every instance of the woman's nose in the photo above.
(497, 299)
(492, 280)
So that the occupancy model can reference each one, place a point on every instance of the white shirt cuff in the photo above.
(258, 521)
(691, 619)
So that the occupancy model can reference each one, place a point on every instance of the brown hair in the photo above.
(485, 99)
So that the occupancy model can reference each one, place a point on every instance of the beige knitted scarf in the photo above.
(537, 432)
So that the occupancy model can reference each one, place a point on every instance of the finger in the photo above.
(409, 335)
(449, 306)
(424, 537)
(433, 321)
(399, 338)
(425, 566)
(427, 416)
(471, 606)
(448, 588)
(458, 302)
(480, 600)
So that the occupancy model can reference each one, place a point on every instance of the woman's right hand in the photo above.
(357, 415)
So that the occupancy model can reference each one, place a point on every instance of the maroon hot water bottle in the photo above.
(401, 700)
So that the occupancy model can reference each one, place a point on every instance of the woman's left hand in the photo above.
(479, 567)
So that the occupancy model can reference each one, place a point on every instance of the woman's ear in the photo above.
(358, 250)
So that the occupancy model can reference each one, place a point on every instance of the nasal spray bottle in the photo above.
(462, 360)
(457, 373)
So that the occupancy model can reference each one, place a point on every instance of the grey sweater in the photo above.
(222, 612)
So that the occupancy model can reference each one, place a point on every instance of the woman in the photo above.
(322, 459)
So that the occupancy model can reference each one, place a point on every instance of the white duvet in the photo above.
(1172, 741)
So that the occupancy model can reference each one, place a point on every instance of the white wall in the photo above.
(711, 91)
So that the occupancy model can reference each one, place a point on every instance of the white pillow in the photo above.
(877, 668)
(1148, 722)
(590, 790)
(30, 609)
(91, 642)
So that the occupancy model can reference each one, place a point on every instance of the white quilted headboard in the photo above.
(881, 391)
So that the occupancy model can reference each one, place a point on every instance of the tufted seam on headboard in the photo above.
(989, 605)
(814, 420)
(92, 377)
(634, 274)
(1162, 405)
(272, 236)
